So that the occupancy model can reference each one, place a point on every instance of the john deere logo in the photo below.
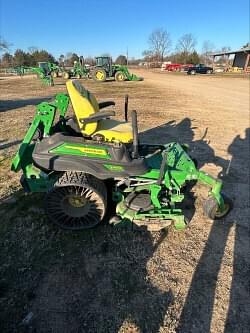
(112, 167)
(88, 150)
(80, 150)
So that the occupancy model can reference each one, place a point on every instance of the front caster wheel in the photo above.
(212, 210)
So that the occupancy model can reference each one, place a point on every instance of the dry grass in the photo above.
(121, 281)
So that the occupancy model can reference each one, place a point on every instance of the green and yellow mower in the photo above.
(90, 162)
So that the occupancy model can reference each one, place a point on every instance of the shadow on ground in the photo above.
(103, 287)
(183, 132)
(197, 312)
(9, 144)
(96, 280)
(8, 105)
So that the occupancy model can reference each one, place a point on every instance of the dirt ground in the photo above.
(112, 281)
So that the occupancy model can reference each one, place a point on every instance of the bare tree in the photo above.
(32, 49)
(224, 58)
(225, 49)
(159, 43)
(121, 60)
(90, 60)
(245, 45)
(6, 60)
(207, 48)
(67, 58)
(148, 55)
(4, 46)
(61, 60)
(186, 45)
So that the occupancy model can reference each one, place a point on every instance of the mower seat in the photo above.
(86, 106)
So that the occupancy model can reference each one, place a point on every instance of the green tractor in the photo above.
(78, 71)
(105, 69)
(88, 163)
(42, 72)
(55, 70)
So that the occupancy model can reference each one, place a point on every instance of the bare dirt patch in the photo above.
(109, 281)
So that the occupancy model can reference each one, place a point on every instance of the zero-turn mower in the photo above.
(89, 162)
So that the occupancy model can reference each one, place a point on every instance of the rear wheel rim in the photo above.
(75, 207)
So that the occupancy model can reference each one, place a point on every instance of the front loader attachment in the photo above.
(130, 76)
(133, 77)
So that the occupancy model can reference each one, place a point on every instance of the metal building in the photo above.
(241, 57)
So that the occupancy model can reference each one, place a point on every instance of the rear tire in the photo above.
(99, 75)
(209, 71)
(78, 201)
(192, 72)
(120, 76)
(211, 208)
(66, 75)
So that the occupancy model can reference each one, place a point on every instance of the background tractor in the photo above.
(105, 69)
(78, 71)
(42, 71)
(54, 69)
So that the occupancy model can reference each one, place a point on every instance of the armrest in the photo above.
(105, 104)
(97, 116)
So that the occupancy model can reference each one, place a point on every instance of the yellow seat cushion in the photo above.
(114, 130)
(85, 104)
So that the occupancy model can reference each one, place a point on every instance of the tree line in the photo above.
(33, 56)
(161, 48)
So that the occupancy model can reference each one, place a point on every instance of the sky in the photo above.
(94, 27)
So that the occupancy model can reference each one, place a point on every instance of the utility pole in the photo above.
(127, 56)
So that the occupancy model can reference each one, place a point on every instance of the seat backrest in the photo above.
(84, 104)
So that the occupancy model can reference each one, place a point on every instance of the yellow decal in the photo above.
(88, 150)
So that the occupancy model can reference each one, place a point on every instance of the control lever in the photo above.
(162, 168)
(126, 108)
(135, 134)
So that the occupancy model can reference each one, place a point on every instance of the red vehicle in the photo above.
(173, 67)
(176, 67)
